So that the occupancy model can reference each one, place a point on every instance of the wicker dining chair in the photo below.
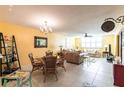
(50, 66)
(61, 60)
(37, 63)
(49, 53)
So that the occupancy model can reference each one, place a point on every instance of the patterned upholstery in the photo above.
(37, 63)
(49, 53)
(18, 78)
(74, 57)
(50, 66)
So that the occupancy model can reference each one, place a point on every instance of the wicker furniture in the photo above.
(60, 63)
(61, 60)
(49, 53)
(50, 66)
(37, 63)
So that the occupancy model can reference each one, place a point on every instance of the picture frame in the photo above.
(40, 42)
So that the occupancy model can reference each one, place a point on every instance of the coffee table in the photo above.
(20, 77)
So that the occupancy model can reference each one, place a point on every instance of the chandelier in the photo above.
(45, 28)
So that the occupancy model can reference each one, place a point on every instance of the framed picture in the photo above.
(40, 42)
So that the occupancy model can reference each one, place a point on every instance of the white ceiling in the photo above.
(72, 19)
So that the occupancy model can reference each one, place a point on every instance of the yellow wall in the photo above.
(25, 40)
(117, 45)
(78, 43)
(110, 39)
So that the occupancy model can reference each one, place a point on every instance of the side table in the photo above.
(105, 53)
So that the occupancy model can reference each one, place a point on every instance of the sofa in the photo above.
(74, 57)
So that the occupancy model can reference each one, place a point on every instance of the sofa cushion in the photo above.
(73, 57)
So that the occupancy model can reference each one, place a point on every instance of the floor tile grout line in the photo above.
(95, 75)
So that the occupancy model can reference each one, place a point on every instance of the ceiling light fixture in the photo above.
(109, 23)
(45, 28)
(118, 20)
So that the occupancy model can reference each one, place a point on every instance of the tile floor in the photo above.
(94, 74)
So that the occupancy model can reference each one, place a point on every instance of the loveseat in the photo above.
(74, 57)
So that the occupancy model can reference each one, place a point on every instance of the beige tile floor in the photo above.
(95, 74)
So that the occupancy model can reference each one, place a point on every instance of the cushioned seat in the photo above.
(74, 57)
(18, 78)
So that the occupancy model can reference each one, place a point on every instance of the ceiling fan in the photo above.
(86, 35)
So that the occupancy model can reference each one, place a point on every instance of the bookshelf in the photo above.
(9, 62)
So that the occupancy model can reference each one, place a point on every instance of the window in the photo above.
(69, 42)
(92, 42)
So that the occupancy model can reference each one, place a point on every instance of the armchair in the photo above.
(50, 66)
(49, 53)
(37, 63)
(61, 60)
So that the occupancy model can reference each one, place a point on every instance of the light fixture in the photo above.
(118, 20)
(109, 23)
(45, 28)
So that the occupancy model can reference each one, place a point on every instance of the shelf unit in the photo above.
(10, 61)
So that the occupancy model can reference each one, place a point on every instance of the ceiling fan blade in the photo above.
(86, 35)
(90, 36)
